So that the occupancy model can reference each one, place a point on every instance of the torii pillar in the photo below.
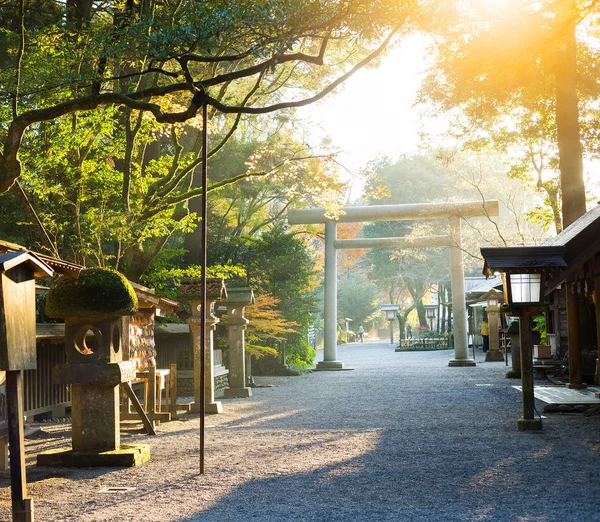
(453, 212)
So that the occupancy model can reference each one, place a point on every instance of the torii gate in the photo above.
(450, 211)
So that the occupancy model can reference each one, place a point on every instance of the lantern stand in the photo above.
(493, 308)
(390, 314)
(430, 314)
(523, 292)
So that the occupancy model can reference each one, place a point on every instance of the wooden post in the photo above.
(21, 507)
(528, 422)
(575, 363)
(173, 386)
(597, 303)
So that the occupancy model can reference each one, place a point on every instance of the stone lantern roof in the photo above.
(240, 295)
(191, 289)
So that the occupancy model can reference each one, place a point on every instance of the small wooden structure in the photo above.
(571, 264)
(140, 331)
(571, 260)
(18, 271)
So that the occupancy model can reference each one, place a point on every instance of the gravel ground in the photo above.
(402, 437)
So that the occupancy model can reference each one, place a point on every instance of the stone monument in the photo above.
(93, 306)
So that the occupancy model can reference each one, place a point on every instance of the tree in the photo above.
(494, 64)
(358, 299)
(170, 61)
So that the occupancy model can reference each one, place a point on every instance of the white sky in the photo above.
(372, 113)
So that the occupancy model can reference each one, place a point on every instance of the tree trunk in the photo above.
(567, 123)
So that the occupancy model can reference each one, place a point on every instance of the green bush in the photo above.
(299, 354)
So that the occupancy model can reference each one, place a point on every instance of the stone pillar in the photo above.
(191, 290)
(574, 335)
(459, 306)
(528, 422)
(330, 361)
(494, 354)
(93, 347)
(211, 406)
(236, 326)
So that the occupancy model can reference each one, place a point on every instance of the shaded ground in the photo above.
(402, 437)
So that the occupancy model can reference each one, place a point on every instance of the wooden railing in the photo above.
(424, 343)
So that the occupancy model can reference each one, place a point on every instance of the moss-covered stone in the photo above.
(97, 292)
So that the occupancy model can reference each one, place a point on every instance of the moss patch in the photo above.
(96, 292)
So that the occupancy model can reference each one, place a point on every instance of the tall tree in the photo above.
(492, 61)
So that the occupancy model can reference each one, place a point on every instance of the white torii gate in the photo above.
(450, 211)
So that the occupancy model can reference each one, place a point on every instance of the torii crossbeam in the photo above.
(453, 212)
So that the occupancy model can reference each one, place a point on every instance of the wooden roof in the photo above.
(559, 257)
(58, 265)
(11, 260)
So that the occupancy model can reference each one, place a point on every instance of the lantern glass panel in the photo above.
(525, 288)
(390, 314)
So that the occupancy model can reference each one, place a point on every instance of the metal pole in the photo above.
(203, 282)
(392, 331)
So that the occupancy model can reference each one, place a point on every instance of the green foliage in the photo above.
(96, 292)
(539, 326)
(298, 353)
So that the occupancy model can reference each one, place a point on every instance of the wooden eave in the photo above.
(58, 265)
(10, 260)
(560, 257)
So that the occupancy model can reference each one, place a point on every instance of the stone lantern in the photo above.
(93, 306)
(191, 291)
(493, 308)
(236, 302)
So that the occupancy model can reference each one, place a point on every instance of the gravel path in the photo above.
(402, 437)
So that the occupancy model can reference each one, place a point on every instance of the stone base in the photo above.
(126, 456)
(238, 392)
(580, 386)
(494, 356)
(213, 407)
(462, 362)
(529, 424)
(330, 365)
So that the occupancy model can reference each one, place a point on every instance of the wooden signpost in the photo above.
(18, 271)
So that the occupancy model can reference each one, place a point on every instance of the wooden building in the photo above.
(570, 268)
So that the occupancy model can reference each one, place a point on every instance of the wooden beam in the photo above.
(126, 386)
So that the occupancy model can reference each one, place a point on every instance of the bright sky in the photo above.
(372, 113)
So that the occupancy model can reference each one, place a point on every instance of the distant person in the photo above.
(485, 332)
(361, 332)
(408, 331)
